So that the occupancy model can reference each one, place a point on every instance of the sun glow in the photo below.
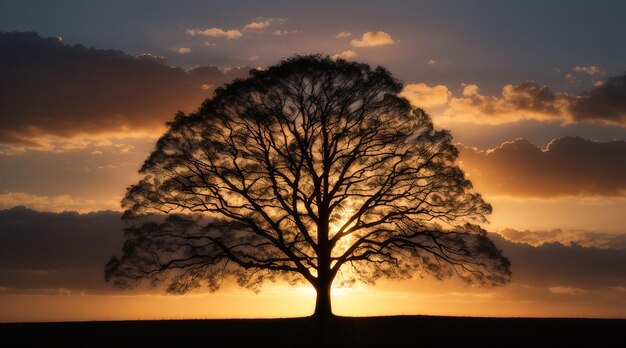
(336, 291)
(338, 225)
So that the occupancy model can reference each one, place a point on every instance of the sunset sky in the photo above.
(534, 93)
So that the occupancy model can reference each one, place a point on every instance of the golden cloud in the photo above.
(261, 23)
(182, 50)
(57, 203)
(584, 238)
(215, 32)
(527, 100)
(373, 39)
(425, 96)
(258, 25)
(347, 55)
(604, 103)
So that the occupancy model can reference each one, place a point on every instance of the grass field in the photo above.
(401, 331)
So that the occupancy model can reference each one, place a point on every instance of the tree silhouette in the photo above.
(310, 170)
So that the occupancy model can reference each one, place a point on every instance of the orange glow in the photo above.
(591, 214)
(340, 225)
(390, 298)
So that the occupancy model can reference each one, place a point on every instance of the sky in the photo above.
(534, 93)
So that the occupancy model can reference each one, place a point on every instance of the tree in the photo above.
(310, 170)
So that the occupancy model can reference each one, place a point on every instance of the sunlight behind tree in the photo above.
(312, 169)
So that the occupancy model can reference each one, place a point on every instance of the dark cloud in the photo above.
(557, 265)
(606, 101)
(52, 89)
(526, 96)
(57, 250)
(486, 136)
(531, 96)
(49, 88)
(569, 166)
(44, 252)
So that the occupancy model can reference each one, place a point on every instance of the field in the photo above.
(400, 331)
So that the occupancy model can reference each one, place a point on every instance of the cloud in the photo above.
(557, 265)
(261, 23)
(286, 32)
(425, 96)
(91, 177)
(151, 58)
(604, 103)
(569, 166)
(57, 250)
(589, 70)
(50, 89)
(258, 25)
(584, 238)
(215, 32)
(343, 34)
(373, 39)
(571, 79)
(44, 251)
(347, 55)
(58, 203)
(182, 50)
(527, 100)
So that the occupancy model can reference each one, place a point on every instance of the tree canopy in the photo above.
(310, 170)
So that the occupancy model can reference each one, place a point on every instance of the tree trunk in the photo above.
(323, 308)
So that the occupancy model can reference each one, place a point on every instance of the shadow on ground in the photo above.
(401, 331)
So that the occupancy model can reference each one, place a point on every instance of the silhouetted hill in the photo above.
(401, 331)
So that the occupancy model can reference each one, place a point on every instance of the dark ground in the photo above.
(345, 332)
